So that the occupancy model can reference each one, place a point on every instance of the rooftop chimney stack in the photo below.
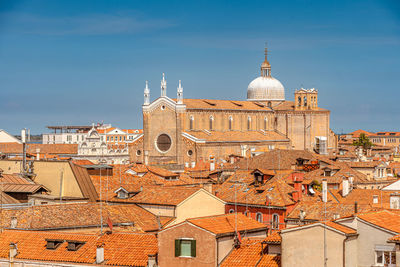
(212, 164)
(324, 190)
(152, 260)
(13, 251)
(100, 253)
(395, 201)
(345, 187)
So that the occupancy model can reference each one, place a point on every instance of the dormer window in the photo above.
(122, 194)
(327, 172)
(53, 243)
(74, 245)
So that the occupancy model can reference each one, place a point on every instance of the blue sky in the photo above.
(78, 62)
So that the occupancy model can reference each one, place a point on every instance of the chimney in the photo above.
(152, 260)
(324, 190)
(212, 165)
(100, 253)
(37, 153)
(395, 201)
(14, 222)
(297, 179)
(302, 215)
(13, 251)
(345, 187)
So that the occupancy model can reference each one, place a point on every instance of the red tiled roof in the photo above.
(227, 223)
(238, 136)
(15, 148)
(123, 249)
(395, 239)
(385, 219)
(163, 195)
(249, 254)
(274, 238)
(80, 215)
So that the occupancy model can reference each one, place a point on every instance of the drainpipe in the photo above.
(344, 251)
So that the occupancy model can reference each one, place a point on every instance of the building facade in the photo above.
(184, 131)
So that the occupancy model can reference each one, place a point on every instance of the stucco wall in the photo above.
(205, 247)
(49, 175)
(159, 210)
(305, 248)
(199, 205)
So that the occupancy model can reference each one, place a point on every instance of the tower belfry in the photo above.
(163, 85)
(265, 66)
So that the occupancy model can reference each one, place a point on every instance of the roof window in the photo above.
(53, 243)
(74, 245)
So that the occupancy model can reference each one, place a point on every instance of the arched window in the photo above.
(299, 101)
(231, 211)
(246, 213)
(211, 122)
(305, 101)
(275, 221)
(248, 123)
(265, 123)
(230, 123)
(259, 217)
(191, 121)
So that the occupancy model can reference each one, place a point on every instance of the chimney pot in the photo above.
(13, 250)
(100, 253)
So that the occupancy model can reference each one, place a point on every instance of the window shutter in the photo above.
(193, 248)
(177, 247)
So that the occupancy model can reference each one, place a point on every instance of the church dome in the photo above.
(265, 89)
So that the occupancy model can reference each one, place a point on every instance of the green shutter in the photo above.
(177, 247)
(193, 248)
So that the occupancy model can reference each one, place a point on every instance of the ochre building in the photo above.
(185, 131)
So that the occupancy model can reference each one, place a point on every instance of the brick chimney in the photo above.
(297, 180)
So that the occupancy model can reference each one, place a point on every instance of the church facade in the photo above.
(185, 131)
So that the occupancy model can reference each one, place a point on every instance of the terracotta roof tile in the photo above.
(80, 215)
(163, 195)
(274, 238)
(238, 136)
(223, 224)
(15, 148)
(384, 218)
(249, 254)
(123, 249)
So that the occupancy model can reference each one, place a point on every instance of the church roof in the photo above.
(217, 104)
(237, 136)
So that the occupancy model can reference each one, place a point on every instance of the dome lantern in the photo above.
(265, 87)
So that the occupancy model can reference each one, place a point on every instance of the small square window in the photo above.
(185, 248)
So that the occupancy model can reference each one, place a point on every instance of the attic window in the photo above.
(53, 243)
(327, 172)
(380, 133)
(74, 245)
(122, 194)
(210, 103)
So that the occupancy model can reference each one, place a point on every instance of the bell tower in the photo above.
(306, 99)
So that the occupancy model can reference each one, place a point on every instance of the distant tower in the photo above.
(147, 94)
(163, 85)
(265, 66)
(180, 93)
